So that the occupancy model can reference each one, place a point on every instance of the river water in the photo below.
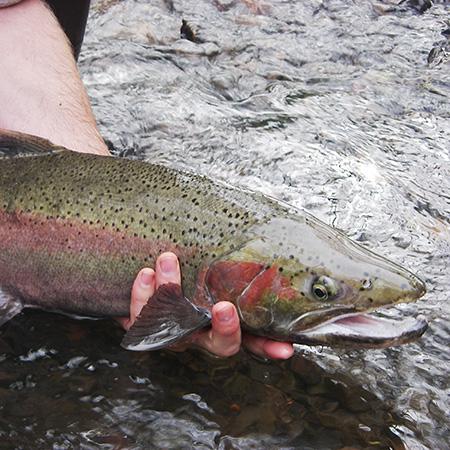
(338, 107)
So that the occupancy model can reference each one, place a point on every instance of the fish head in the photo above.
(302, 281)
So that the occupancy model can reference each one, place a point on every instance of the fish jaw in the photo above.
(358, 330)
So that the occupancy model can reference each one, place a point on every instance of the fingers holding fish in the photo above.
(147, 281)
(143, 289)
(267, 348)
(167, 269)
(224, 337)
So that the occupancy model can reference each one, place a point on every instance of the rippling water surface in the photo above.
(338, 107)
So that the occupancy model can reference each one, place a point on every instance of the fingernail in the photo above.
(286, 352)
(168, 265)
(225, 314)
(146, 278)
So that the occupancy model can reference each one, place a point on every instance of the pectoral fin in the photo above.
(9, 307)
(167, 317)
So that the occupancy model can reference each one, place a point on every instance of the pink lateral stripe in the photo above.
(35, 232)
(46, 262)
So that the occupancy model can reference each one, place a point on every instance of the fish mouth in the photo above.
(359, 330)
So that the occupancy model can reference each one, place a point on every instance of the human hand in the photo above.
(224, 338)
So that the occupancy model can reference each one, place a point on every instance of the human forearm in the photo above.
(40, 88)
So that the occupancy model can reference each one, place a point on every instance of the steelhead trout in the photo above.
(75, 229)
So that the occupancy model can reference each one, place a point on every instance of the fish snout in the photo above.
(418, 287)
(395, 287)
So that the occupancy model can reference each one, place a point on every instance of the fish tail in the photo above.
(167, 318)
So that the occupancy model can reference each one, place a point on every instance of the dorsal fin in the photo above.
(14, 144)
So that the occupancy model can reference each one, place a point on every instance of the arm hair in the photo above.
(41, 91)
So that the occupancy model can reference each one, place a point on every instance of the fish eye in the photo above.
(320, 292)
(366, 284)
(324, 288)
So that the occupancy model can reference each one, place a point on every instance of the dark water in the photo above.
(338, 107)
